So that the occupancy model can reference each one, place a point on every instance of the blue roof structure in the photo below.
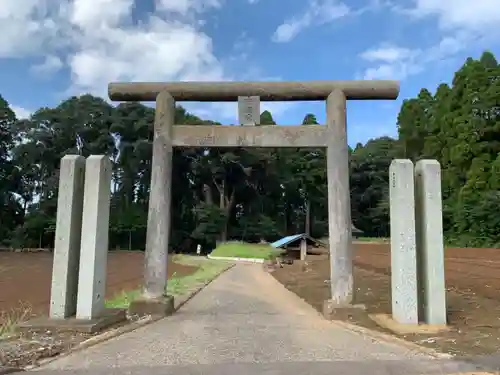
(288, 239)
(355, 230)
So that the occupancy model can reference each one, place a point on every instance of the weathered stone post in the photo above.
(403, 248)
(339, 203)
(430, 247)
(94, 241)
(154, 300)
(67, 238)
(81, 249)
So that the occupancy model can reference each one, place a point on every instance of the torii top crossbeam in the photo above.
(266, 91)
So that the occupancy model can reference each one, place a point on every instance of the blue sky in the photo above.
(50, 49)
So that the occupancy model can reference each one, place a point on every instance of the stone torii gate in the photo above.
(167, 135)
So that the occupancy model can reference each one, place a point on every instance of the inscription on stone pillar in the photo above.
(249, 110)
(206, 141)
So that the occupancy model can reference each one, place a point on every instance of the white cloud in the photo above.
(166, 51)
(50, 65)
(387, 54)
(97, 14)
(26, 29)
(318, 11)
(477, 16)
(99, 41)
(394, 62)
(21, 113)
(460, 26)
(391, 62)
(185, 6)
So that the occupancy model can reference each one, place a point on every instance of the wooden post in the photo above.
(303, 249)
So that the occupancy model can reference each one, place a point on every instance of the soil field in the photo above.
(469, 270)
(25, 278)
(473, 298)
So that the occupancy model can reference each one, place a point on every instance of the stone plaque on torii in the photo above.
(332, 136)
(249, 110)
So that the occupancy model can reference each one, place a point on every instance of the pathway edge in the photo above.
(235, 259)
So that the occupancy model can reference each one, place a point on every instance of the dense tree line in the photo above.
(255, 194)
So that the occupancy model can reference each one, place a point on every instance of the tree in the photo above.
(9, 178)
(461, 131)
(370, 185)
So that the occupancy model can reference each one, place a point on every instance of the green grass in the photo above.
(362, 239)
(177, 286)
(123, 299)
(372, 239)
(245, 250)
(9, 319)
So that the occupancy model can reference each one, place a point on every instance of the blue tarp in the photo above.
(288, 239)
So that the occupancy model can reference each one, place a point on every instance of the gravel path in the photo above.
(245, 322)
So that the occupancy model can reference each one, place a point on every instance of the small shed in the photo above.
(355, 231)
(302, 238)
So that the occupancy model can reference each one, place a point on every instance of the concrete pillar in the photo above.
(403, 249)
(67, 238)
(430, 247)
(339, 201)
(303, 249)
(159, 215)
(95, 234)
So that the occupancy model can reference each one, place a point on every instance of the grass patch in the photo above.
(9, 319)
(246, 250)
(362, 239)
(372, 239)
(208, 270)
(177, 286)
(123, 299)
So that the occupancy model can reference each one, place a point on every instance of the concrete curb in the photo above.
(244, 260)
(392, 339)
(178, 303)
